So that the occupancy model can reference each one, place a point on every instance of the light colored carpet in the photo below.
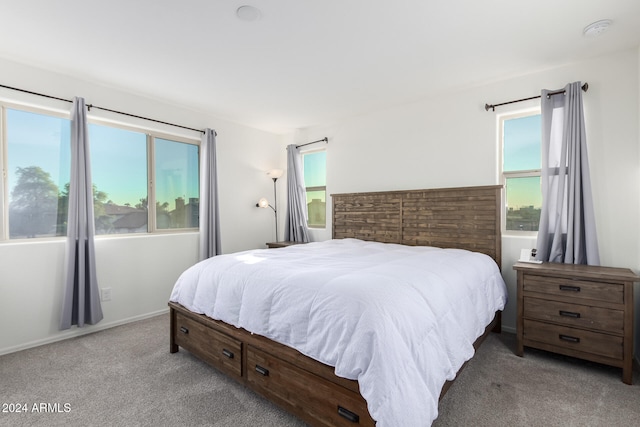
(498, 388)
(126, 376)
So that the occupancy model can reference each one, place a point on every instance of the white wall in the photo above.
(141, 269)
(450, 140)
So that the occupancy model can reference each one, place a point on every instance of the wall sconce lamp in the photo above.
(264, 203)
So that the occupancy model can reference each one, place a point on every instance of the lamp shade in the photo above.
(275, 173)
(263, 203)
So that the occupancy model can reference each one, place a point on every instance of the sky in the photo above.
(118, 158)
(522, 143)
(315, 170)
(34, 140)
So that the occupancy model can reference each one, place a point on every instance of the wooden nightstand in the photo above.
(272, 245)
(577, 310)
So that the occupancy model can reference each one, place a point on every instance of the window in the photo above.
(37, 171)
(521, 163)
(177, 184)
(315, 181)
(119, 175)
(129, 168)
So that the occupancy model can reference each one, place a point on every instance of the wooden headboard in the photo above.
(463, 218)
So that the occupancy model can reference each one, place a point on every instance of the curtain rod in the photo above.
(487, 107)
(90, 106)
(325, 139)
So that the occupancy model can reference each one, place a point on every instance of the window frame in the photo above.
(151, 134)
(316, 188)
(4, 164)
(151, 197)
(505, 175)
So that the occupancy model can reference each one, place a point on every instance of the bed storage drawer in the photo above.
(215, 348)
(291, 387)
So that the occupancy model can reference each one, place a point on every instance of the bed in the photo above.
(345, 332)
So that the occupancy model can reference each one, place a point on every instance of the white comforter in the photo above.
(401, 320)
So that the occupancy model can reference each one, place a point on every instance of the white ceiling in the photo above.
(305, 62)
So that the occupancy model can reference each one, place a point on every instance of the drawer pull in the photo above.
(345, 413)
(569, 338)
(262, 371)
(227, 353)
(569, 288)
(184, 330)
(569, 314)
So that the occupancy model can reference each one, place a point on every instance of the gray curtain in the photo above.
(567, 232)
(209, 211)
(296, 228)
(81, 301)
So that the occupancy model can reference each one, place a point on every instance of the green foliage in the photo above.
(38, 208)
(34, 202)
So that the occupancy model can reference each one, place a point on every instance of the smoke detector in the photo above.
(596, 28)
(248, 13)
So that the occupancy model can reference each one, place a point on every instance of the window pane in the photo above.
(522, 143)
(524, 200)
(317, 208)
(315, 169)
(119, 175)
(38, 149)
(177, 184)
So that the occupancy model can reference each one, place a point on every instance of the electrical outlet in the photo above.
(105, 294)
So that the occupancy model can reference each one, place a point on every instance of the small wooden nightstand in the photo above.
(272, 245)
(577, 310)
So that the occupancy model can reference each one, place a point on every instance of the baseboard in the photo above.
(508, 329)
(77, 332)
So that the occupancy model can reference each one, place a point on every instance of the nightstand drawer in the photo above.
(575, 289)
(583, 316)
(574, 339)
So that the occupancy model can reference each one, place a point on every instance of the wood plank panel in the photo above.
(464, 218)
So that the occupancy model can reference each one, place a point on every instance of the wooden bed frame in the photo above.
(466, 218)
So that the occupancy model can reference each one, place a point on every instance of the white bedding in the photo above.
(401, 320)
